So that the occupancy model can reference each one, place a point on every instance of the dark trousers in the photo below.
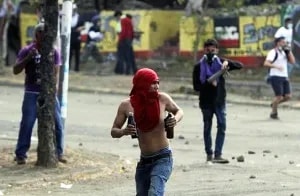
(208, 113)
(125, 58)
(75, 49)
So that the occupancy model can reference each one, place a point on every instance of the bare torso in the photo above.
(153, 140)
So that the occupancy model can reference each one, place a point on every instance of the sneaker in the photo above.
(209, 158)
(20, 161)
(274, 115)
(221, 160)
(62, 159)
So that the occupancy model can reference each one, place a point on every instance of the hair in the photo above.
(211, 42)
(288, 19)
(39, 27)
(118, 13)
(278, 39)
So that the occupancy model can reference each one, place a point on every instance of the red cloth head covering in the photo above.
(145, 103)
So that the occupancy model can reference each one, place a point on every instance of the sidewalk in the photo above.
(121, 84)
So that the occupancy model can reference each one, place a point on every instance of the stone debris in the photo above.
(181, 137)
(275, 156)
(267, 151)
(135, 145)
(187, 142)
(240, 158)
(65, 186)
(291, 162)
(251, 152)
(252, 177)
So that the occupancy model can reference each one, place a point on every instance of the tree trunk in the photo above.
(46, 152)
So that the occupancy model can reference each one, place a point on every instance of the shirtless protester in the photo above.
(149, 107)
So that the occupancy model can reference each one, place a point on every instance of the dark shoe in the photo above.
(274, 115)
(209, 158)
(220, 160)
(62, 159)
(20, 161)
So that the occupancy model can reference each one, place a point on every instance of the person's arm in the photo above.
(116, 130)
(173, 108)
(232, 65)
(23, 58)
(291, 57)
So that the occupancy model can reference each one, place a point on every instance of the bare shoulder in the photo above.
(165, 97)
(125, 105)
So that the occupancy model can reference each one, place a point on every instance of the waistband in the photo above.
(163, 153)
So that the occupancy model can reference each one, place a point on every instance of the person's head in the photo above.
(39, 30)
(210, 49)
(75, 9)
(129, 16)
(118, 14)
(96, 20)
(288, 22)
(145, 80)
(279, 42)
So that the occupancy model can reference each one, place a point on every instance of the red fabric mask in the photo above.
(145, 103)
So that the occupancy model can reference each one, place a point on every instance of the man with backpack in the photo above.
(277, 60)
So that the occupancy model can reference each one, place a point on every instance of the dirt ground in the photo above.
(100, 165)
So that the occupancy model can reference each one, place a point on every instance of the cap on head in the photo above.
(74, 6)
(143, 79)
(39, 28)
(278, 39)
(211, 42)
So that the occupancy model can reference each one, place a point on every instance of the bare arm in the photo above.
(173, 108)
(20, 65)
(116, 130)
(291, 58)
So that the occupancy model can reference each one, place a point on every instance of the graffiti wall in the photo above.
(242, 37)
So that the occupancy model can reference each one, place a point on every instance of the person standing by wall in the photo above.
(125, 55)
(277, 60)
(75, 43)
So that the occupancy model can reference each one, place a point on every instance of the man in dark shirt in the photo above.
(28, 60)
(212, 97)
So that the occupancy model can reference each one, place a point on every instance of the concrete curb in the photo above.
(84, 89)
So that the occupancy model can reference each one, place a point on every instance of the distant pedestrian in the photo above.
(125, 54)
(77, 25)
(212, 97)
(277, 60)
(93, 38)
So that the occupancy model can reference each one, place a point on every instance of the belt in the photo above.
(149, 160)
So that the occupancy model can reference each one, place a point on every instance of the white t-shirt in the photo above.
(281, 61)
(286, 33)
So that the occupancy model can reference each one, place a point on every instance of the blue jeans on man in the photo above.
(152, 173)
(220, 112)
(29, 116)
(125, 58)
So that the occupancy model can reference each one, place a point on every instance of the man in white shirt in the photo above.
(277, 60)
(286, 31)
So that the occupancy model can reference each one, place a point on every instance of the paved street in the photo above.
(273, 169)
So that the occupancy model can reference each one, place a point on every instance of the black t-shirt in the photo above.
(209, 95)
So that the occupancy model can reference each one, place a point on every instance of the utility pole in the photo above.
(65, 34)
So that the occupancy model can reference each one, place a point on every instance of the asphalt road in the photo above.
(273, 169)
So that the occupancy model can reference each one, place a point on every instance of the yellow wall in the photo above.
(256, 34)
(27, 24)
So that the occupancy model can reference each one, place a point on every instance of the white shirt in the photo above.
(286, 33)
(280, 61)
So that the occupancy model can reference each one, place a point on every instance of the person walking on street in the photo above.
(149, 106)
(28, 59)
(212, 97)
(277, 60)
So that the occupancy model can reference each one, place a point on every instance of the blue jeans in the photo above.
(125, 58)
(152, 173)
(29, 116)
(220, 112)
